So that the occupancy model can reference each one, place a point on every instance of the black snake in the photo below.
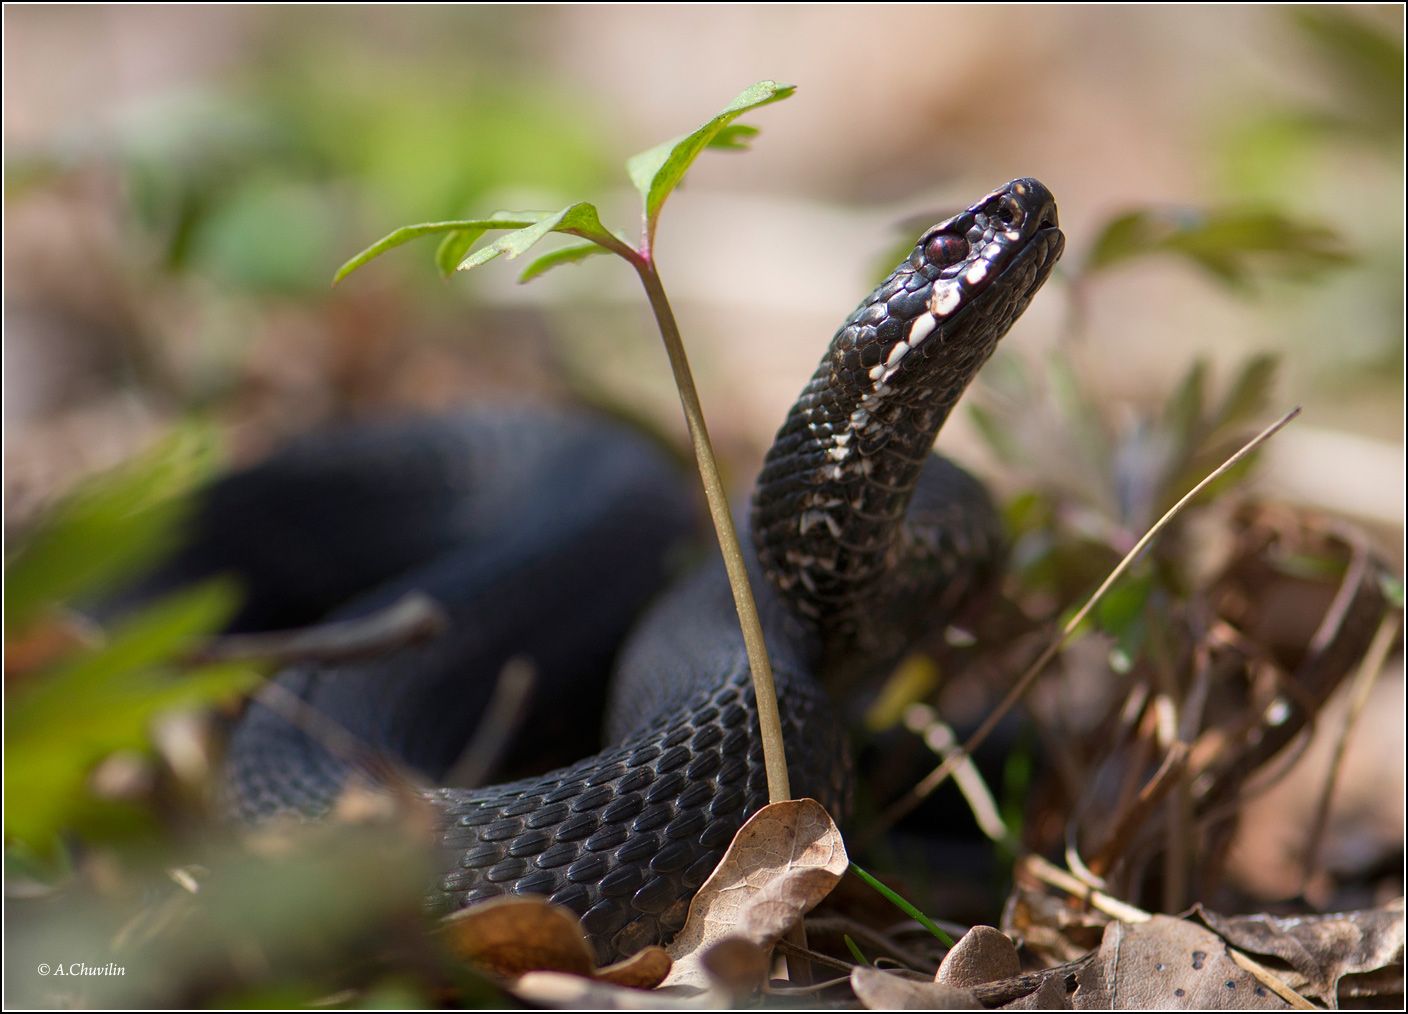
(542, 537)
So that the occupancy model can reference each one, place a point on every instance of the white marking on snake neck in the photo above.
(922, 327)
(944, 300)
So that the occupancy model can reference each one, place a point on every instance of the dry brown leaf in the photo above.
(1050, 995)
(736, 965)
(570, 992)
(1168, 964)
(983, 954)
(784, 860)
(645, 969)
(887, 991)
(1321, 948)
(510, 936)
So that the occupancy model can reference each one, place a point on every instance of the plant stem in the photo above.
(774, 757)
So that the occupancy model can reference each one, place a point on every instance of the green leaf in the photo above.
(403, 235)
(658, 171)
(452, 250)
(903, 905)
(1392, 587)
(1123, 604)
(1081, 415)
(734, 137)
(1249, 394)
(61, 723)
(576, 220)
(574, 254)
(108, 527)
(1003, 444)
(1367, 57)
(154, 636)
(1183, 414)
(1228, 244)
(855, 951)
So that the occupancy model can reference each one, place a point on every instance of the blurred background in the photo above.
(182, 183)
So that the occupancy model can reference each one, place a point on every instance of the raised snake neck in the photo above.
(861, 539)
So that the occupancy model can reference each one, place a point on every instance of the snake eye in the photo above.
(944, 250)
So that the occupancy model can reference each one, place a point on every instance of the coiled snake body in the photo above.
(861, 538)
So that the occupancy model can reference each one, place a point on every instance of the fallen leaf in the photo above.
(511, 936)
(1050, 995)
(1322, 948)
(1168, 964)
(880, 990)
(736, 965)
(784, 860)
(645, 969)
(561, 991)
(983, 954)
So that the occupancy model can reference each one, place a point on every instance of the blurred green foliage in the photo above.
(260, 181)
(90, 697)
(1228, 245)
(108, 528)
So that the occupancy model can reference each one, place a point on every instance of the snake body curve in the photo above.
(860, 539)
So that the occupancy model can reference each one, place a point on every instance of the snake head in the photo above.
(830, 511)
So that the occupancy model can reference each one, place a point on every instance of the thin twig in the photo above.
(410, 619)
(1364, 681)
(937, 777)
(508, 706)
(1049, 873)
(1270, 979)
(1168, 775)
(337, 739)
(792, 950)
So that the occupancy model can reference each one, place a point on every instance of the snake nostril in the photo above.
(1009, 212)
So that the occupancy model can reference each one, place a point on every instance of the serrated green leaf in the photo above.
(108, 527)
(574, 254)
(734, 137)
(658, 171)
(575, 220)
(403, 235)
(452, 250)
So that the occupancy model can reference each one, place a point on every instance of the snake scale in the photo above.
(543, 537)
